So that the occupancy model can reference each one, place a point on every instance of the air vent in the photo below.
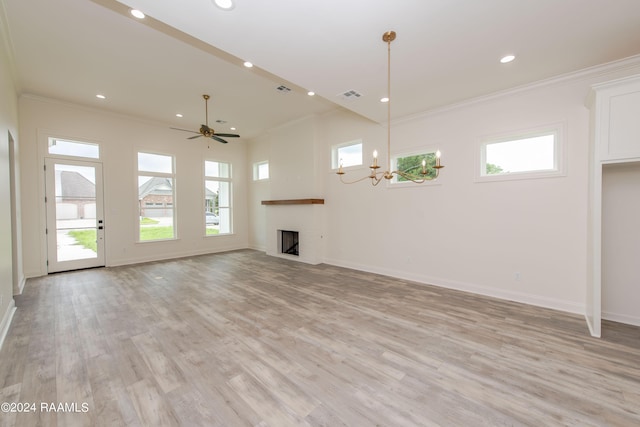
(283, 89)
(221, 121)
(350, 95)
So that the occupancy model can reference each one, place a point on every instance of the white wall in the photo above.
(9, 269)
(120, 138)
(621, 243)
(523, 240)
(292, 151)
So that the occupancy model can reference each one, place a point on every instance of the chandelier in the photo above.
(375, 175)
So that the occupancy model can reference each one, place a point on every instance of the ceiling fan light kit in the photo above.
(205, 130)
(376, 176)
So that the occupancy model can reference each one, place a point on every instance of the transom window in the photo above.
(525, 155)
(260, 171)
(346, 154)
(411, 163)
(65, 147)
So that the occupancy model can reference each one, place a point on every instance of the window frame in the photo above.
(335, 159)
(256, 170)
(51, 138)
(559, 158)
(394, 183)
(228, 180)
(172, 176)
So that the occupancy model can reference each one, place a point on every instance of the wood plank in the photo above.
(243, 339)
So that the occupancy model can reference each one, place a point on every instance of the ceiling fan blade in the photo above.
(194, 137)
(184, 130)
(218, 139)
(227, 135)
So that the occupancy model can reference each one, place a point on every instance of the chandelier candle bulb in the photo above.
(438, 154)
(375, 158)
(424, 167)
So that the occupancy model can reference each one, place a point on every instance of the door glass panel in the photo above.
(76, 222)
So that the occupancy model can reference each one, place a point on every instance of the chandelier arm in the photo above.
(353, 182)
(417, 180)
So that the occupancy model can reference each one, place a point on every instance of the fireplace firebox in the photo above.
(289, 243)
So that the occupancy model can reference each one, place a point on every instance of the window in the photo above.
(411, 163)
(526, 155)
(347, 154)
(73, 148)
(260, 171)
(156, 192)
(217, 197)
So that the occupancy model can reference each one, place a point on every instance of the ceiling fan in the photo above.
(205, 130)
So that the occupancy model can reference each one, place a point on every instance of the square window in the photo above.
(347, 154)
(260, 171)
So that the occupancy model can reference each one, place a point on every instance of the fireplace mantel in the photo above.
(294, 202)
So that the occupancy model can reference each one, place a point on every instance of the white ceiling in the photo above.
(446, 51)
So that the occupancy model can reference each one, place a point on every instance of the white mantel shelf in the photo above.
(294, 202)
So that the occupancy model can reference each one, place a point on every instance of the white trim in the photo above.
(560, 157)
(520, 297)
(335, 161)
(621, 318)
(626, 64)
(6, 321)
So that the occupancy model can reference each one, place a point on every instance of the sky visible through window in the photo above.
(350, 155)
(523, 155)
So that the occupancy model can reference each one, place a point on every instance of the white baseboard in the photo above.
(23, 281)
(621, 318)
(6, 321)
(521, 297)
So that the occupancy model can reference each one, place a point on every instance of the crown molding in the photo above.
(628, 64)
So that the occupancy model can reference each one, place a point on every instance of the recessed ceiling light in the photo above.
(248, 64)
(224, 4)
(232, 128)
(311, 93)
(101, 96)
(137, 14)
(508, 58)
(178, 115)
(385, 99)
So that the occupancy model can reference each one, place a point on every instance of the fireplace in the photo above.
(289, 243)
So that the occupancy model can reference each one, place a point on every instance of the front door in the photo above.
(75, 221)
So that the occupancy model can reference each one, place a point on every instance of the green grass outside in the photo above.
(156, 233)
(148, 221)
(86, 238)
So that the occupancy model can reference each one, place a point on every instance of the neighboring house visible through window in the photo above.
(156, 195)
(77, 200)
(217, 187)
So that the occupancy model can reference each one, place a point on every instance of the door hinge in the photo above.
(46, 231)
(45, 199)
(45, 167)
(47, 263)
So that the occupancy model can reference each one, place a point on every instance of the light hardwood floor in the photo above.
(242, 339)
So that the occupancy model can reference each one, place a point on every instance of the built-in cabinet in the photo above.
(615, 140)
